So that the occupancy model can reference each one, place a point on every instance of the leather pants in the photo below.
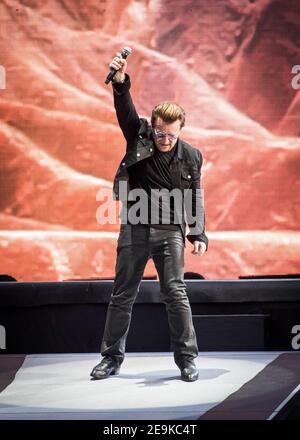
(136, 244)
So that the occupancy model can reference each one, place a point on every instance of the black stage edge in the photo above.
(290, 410)
(69, 317)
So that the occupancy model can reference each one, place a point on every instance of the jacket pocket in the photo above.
(186, 178)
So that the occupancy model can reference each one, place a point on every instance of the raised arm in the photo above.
(128, 118)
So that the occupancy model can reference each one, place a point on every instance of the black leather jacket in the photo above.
(185, 169)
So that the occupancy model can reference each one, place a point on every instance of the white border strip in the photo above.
(286, 400)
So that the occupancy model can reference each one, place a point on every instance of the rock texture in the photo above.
(228, 63)
(245, 49)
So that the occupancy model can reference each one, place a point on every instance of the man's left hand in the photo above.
(199, 248)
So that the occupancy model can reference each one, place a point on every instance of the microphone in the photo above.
(125, 52)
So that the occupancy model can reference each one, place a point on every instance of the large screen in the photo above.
(234, 66)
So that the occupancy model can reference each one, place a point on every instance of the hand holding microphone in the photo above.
(118, 66)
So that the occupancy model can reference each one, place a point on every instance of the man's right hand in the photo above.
(119, 64)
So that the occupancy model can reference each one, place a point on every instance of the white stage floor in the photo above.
(58, 386)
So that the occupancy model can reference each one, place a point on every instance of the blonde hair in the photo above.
(169, 112)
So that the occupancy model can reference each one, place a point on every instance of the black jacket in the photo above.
(185, 169)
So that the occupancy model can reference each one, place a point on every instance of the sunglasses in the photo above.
(160, 134)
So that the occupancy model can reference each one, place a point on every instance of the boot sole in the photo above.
(112, 373)
(186, 379)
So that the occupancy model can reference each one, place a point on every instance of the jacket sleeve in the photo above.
(196, 218)
(128, 118)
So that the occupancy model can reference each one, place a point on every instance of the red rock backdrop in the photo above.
(229, 64)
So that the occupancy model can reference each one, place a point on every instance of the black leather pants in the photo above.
(136, 244)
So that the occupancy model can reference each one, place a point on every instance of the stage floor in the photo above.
(232, 385)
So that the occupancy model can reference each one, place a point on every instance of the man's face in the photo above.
(165, 135)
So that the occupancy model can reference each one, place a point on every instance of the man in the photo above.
(156, 159)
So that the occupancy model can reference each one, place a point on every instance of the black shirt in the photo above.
(154, 173)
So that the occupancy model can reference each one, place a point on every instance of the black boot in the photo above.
(107, 367)
(189, 372)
